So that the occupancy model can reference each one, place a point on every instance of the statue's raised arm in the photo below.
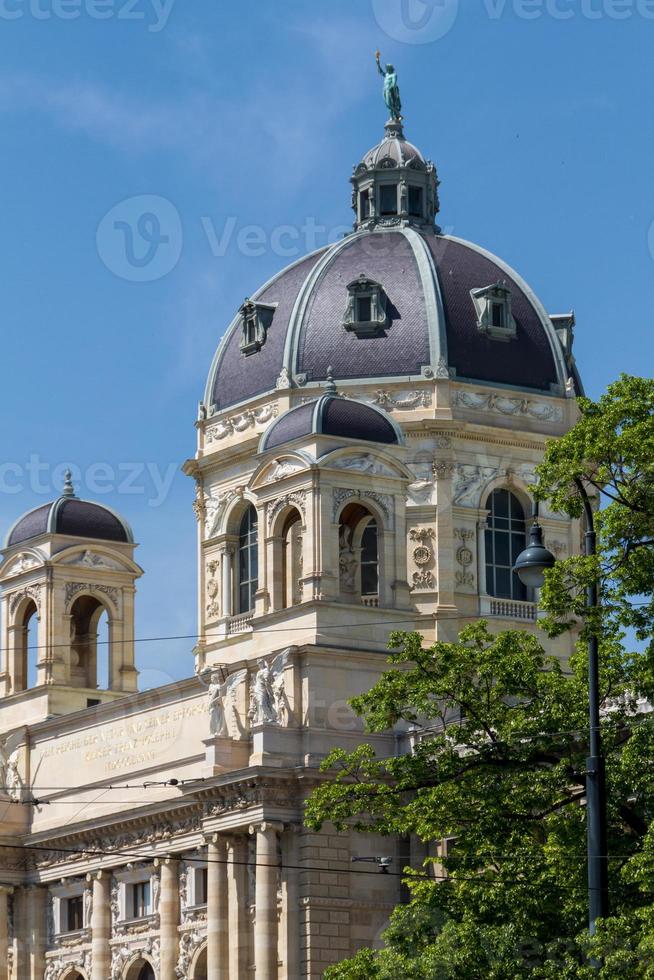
(391, 89)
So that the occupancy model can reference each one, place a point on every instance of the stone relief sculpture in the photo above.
(9, 772)
(213, 605)
(222, 700)
(347, 559)
(88, 907)
(363, 463)
(268, 701)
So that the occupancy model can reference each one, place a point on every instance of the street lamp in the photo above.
(530, 567)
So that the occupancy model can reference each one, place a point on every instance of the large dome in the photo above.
(432, 288)
(68, 515)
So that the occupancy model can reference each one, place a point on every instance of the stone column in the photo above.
(227, 603)
(289, 938)
(169, 918)
(237, 857)
(101, 925)
(217, 910)
(5, 892)
(481, 556)
(37, 898)
(266, 950)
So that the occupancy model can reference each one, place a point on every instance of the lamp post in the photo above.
(530, 567)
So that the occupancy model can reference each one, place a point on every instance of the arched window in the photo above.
(31, 645)
(90, 661)
(505, 539)
(248, 561)
(359, 554)
(370, 559)
(103, 679)
(292, 560)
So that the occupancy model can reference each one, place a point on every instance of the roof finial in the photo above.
(69, 489)
(330, 384)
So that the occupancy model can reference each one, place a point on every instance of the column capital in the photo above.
(6, 889)
(215, 837)
(103, 874)
(166, 861)
(266, 826)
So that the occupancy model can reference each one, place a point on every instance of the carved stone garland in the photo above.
(423, 556)
(465, 558)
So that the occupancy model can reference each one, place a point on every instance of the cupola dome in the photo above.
(68, 515)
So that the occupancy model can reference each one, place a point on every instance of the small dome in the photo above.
(393, 149)
(331, 415)
(73, 517)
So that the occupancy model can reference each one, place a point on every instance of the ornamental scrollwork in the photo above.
(29, 592)
(423, 580)
(74, 588)
(240, 423)
(403, 402)
(509, 406)
(188, 944)
(214, 507)
(383, 500)
(297, 498)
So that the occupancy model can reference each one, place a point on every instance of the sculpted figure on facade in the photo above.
(268, 701)
(10, 777)
(222, 700)
(347, 559)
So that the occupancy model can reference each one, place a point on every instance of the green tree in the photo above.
(501, 747)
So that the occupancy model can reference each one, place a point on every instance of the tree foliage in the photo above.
(500, 750)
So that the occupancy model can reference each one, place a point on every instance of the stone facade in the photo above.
(159, 834)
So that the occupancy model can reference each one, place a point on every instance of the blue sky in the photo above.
(536, 112)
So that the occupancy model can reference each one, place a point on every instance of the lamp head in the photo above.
(532, 563)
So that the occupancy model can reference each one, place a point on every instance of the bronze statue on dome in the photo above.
(391, 89)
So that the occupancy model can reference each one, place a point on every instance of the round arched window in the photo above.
(505, 539)
(248, 561)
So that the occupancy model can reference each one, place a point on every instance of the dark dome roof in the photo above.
(331, 415)
(73, 517)
(433, 321)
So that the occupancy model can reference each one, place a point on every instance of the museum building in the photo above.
(366, 445)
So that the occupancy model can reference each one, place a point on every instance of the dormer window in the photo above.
(388, 199)
(256, 319)
(415, 202)
(493, 306)
(366, 314)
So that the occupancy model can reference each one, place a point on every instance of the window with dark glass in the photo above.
(505, 539)
(74, 914)
(369, 560)
(388, 199)
(248, 561)
(498, 314)
(415, 202)
(201, 886)
(364, 309)
(140, 899)
(364, 204)
(147, 973)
